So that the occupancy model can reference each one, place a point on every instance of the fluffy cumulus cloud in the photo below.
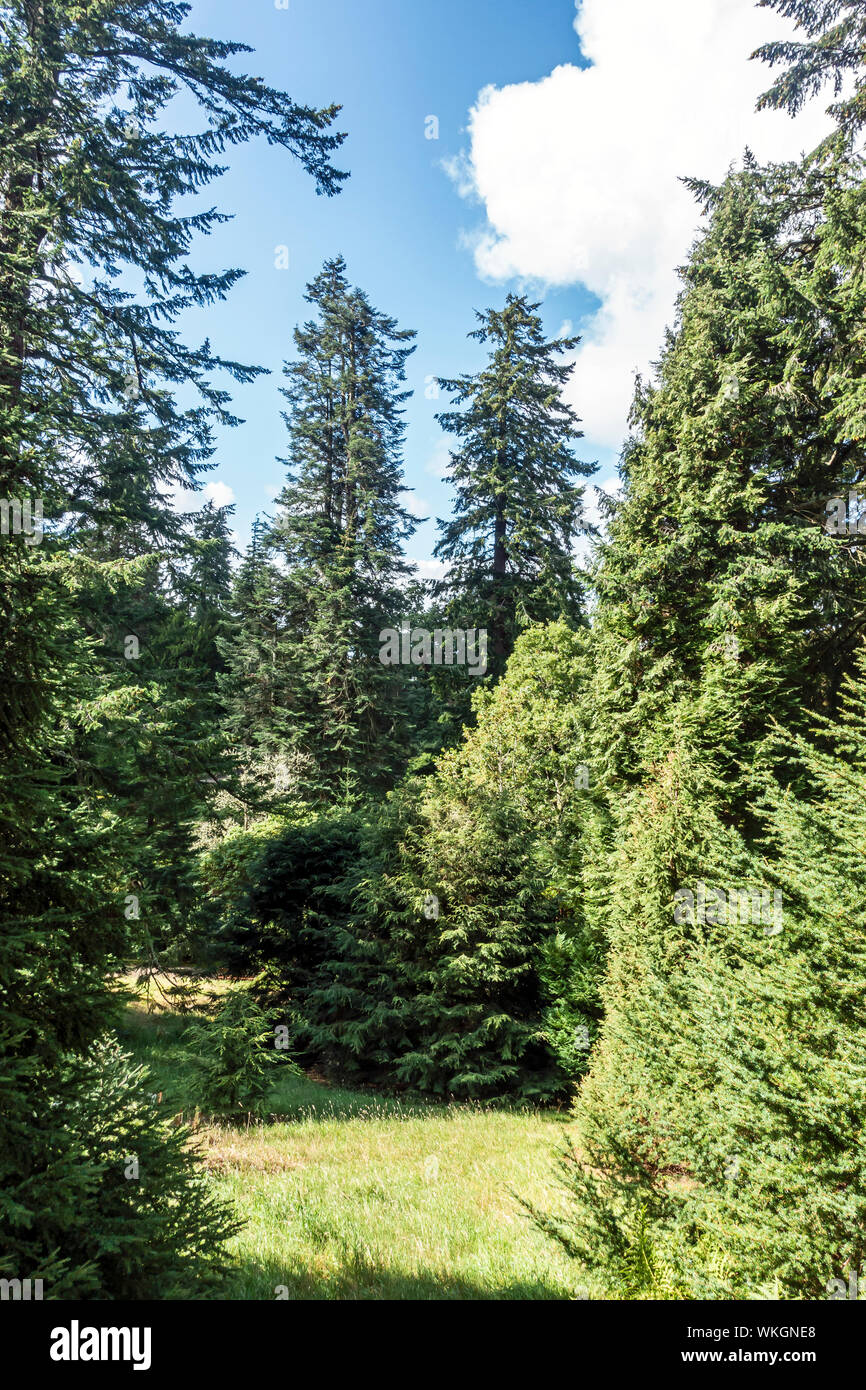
(579, 173)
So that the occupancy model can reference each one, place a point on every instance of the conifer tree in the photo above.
(445, 947)
(162, 759)
(507, 993)
(338, 535)
(833, 47)
(717, 1143)
(510, 545)
(205, 586)
(723, 1111)
(89, 427)
(723, 597)
(258, 683)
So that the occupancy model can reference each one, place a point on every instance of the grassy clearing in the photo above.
(347, 1195)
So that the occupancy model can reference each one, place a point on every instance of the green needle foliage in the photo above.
(161, 1230)
(727, 1096)
(634, 877)
(305, 686)
(722, 599)
(93, 277)
(510, 544)
(235, 1051)
(445, 947)
(831, 51)
(720, 1122)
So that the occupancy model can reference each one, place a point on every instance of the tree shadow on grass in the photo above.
(260, 1280)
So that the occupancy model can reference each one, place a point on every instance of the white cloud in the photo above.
(578, 173)
(429, 569)
(185, 500)
(218, 493)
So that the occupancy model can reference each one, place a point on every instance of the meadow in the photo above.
(353, 1195)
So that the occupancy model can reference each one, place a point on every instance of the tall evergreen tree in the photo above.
(89, 425)
(510, 545)
(720, 1124)
(162, 758)
(445, 947)
(718, 1151)
(338, 536)
(258, 685)
(722, 596)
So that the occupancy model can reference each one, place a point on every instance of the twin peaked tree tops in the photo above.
(305, 685)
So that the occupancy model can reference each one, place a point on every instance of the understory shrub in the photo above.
(440, 942)
(235, 1052)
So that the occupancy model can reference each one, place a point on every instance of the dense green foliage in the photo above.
(724, 1106)
(510, 542)
(623, 865)
(718, 1152)
(235, 1050)
(642, 863)
(443, 947)
(306, 691)
(100, 770)
(724, 604)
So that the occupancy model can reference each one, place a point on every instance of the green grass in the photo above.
(347, 1195)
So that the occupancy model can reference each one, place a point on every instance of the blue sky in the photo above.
(567, 129)
(400, 221)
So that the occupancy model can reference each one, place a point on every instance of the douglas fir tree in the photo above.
(510, 546)
(337, 717)
(89, 428)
